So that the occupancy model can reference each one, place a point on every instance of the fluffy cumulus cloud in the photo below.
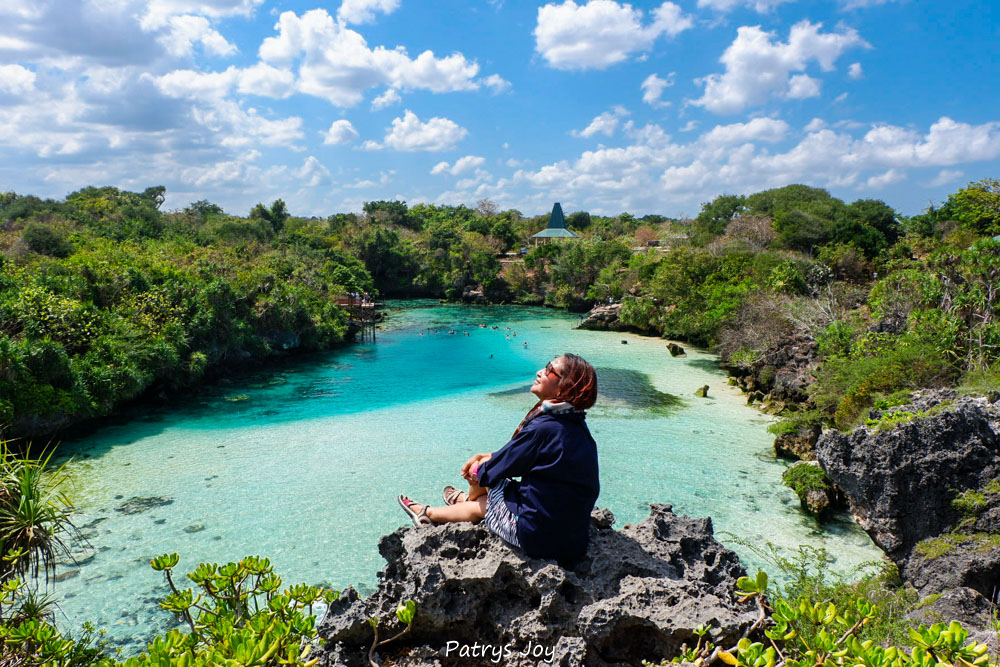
(761, 6)
(266, 81)
(605, 123)
(946, 176)
(16, 80)
(158, 12)
(340, 132)
(186, 31)
(461, 166)
(855, 71)
(600, 33)
(761, 153)
(387, 99)
(409, 133)
(759, 67)
(363, 11)
(335, 63)
(652, 90)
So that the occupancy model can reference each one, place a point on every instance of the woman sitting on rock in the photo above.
(547, 513)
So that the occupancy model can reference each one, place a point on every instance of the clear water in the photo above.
(303, 463)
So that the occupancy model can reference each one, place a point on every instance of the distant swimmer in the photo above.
(526, 345)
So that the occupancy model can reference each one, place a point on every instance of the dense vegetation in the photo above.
(104, 297)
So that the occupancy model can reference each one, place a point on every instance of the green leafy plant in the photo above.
(239, 612)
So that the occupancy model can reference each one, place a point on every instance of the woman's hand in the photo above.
(474, 462)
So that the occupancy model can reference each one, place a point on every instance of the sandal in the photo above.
(452, 495)
(420, 518)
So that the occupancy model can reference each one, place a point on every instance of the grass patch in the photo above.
(981, 381)
(970, 502)
(935, 547)
(796, 422)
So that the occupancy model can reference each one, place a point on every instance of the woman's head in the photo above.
(569, 379)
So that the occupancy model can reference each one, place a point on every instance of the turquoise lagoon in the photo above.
(302, 462)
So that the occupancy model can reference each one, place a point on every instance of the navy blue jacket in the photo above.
(556, 458)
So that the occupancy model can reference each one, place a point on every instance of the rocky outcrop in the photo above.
(799, 445)
(782, 372)
(675, 350)
(604, 318)
(902, 475)
(924, 481)
(638, 594)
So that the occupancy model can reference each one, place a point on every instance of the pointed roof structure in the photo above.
(557, 226)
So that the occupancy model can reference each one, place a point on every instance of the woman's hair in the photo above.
(578, 384)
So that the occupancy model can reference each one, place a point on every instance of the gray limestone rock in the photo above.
(800, 445)
(603, 318)
(638, 594)
(901, 481)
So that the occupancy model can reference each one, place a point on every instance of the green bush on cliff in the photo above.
(139, 304)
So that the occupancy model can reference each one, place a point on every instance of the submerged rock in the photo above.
(138, 505)
(639, 594)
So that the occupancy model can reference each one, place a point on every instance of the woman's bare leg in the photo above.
(470, 510)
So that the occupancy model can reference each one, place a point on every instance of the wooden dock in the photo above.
(362, 313)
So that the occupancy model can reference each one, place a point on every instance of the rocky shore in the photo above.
(924, 480)
(639, 595)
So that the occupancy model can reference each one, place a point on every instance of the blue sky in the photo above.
(646, 107)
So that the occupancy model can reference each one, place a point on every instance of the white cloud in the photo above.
(758, 67)
(879, 181)
(410, 134)
(340, 132)
(741, 157)
(312, 173)
(237, 127)
(462, 165)
(336, 64)
(815, 125)
(689, 126)
(236, 170)
(861, 4)
(759, 129)
(605, 123)
(652, 90)
(600, 33)
(386, 99)
(159, 12)
(363, 11)
(267, 81)
(802, 86)
(190, 84)
(16, 80)
(760, 6)
(855, 71)
(946, 176)
(186, 31)
(496, 83)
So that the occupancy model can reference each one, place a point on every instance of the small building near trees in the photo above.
(556, 229)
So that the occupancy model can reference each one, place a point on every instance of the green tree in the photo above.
(714, 217)
(977, 206)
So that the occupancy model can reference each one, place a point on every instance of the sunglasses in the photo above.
(551, 371)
